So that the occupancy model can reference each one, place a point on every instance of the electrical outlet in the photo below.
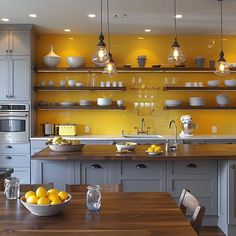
(86, 129)
(214, 129)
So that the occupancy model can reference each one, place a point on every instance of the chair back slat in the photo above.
(83, 188)
(197, 218)
(33, 187)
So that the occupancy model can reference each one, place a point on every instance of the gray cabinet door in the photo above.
(95, 172)
(58, 172)
(4, 42)
(232, 195)
(3, 77)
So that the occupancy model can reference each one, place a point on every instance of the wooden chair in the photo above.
(83, 188)
(189, 204)
(27, 187)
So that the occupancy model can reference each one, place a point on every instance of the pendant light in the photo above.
(176, 56)
(221, 66)
(110, 68)
(101, 56)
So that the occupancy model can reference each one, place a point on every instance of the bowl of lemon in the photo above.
(155, 149)
(45, 203)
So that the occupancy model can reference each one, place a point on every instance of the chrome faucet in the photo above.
(175, 131)
(142, 130)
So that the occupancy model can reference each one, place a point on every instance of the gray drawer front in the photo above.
(143, 168)
(15, 161)
(14, 148)
(142, 185)
(193, 167)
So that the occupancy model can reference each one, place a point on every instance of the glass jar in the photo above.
(12, 187)
(94, 197)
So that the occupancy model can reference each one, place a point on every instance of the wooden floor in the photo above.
(211, 231)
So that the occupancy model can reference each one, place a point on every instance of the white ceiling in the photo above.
(200, 16)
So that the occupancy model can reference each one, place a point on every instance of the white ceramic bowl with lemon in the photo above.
(154, 149)
(45, 203)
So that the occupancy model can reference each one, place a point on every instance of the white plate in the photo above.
(154, 153)
(66, 148)
(68, 103)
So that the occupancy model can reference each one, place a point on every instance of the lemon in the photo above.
(32, 199)
(154, 146)
(43, 201)
(53, 190)
(151, 149)
(158, 149)
(29, 193)
(56, 201)
(63, 196)
(52, 196)
(41, 192)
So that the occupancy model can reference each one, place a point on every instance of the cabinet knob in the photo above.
(11, 50)
(8, 157)
(9, 146)
(6, 51)
(141, 166)
(96, 166)
(7, 96)
(191, 165)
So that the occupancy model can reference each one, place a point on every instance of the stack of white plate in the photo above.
(196, 101)
(68, 103)
(173, 103)
(85, 103)
(104, 101)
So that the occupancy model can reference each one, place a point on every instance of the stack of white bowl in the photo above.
(230, 82)
(196, 101)
(222, 99)
(173, 102)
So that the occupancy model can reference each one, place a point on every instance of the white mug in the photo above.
(62, 83)
(119, 103)
(108, 84)
(120, 84)
(51, 83)
(71, 82)
(102, 84)
(114, 84)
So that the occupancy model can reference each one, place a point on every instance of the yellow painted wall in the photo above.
(125, 50)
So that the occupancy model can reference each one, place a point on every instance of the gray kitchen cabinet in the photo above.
(14, 42)
(142, 176)
(94, 172)
(15, 77)
(198, 176)
(58, 172)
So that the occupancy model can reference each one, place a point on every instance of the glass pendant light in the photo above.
(176, 56)
(101, 56)
(221, 66)
(110, 68)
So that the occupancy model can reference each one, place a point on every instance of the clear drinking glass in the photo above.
(12, 187)
(94, 197)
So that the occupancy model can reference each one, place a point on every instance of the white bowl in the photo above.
(45, 210)
(104, 101)
(173, 103)
(51, 61)
(196, 101)
(85, 103)
(125, 146)
(222, 99)
(213, 83)
(75, 61)
(230, 82)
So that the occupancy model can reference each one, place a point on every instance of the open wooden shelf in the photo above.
(80, 88)
(92, 107)
(129, 70)
(199, 107)
(201, 89)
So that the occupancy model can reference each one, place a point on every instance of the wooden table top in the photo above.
(121, 214)
(108, 152)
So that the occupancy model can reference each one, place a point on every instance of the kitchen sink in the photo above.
(142, 136)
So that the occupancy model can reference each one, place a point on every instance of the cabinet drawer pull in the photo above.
(8, 157)
(6, 51)
(8, 146)
(191, 165)
(11, 50)
(141, 166)
(96, 166)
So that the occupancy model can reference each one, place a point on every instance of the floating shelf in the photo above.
(199, 107)
(200, 89)
(81, 88)
(92, 107)
(130, 70)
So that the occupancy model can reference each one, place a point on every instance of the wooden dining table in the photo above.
(121, 214)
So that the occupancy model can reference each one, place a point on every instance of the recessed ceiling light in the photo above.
(91, 15)
(5, 19)
(67, 30)
(178, 16)
(140, 38)
(147, 30)
(32, 15)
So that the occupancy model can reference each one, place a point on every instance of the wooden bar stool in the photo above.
(33, 187)
(83, 188)
(189, 204)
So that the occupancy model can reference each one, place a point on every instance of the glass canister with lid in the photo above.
(12, 187)
(94, 197)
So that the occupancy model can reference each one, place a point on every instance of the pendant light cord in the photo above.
(101, 16)
(221, 25)
(175, 19)
(108, 26)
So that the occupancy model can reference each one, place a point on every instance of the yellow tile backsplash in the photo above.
(125, 49)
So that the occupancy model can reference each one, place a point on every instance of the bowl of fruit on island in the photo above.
(154, 149)
(125, 146)
(59, 144)
(45, 203)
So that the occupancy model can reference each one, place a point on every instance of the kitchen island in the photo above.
(208, 170)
